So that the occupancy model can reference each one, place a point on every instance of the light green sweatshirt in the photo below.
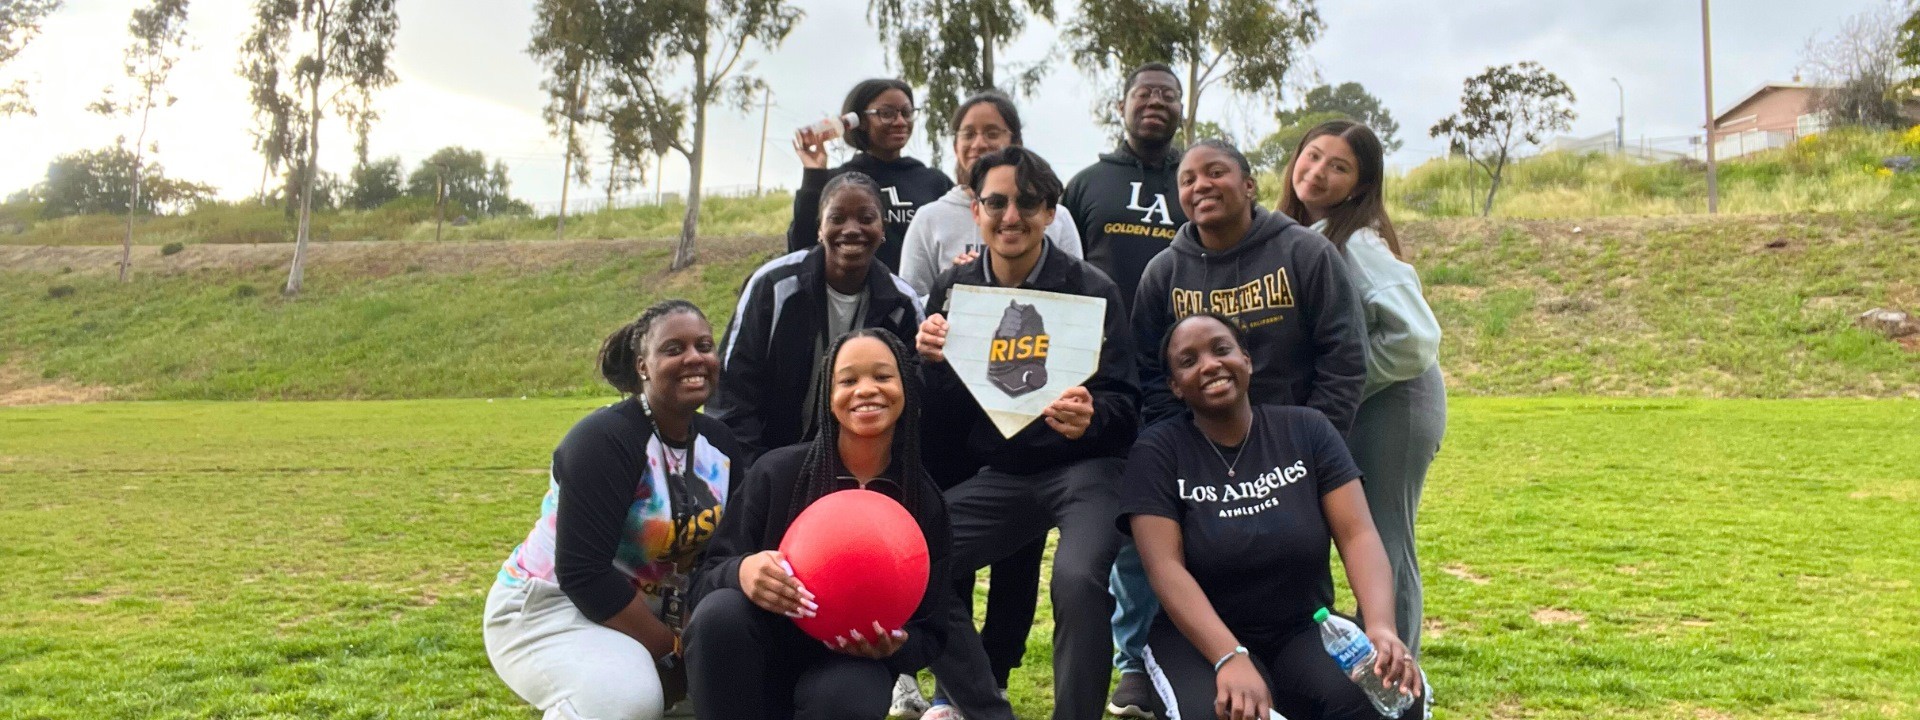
(1403, 337)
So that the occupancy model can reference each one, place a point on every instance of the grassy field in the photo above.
(408, 220)
(1734, 307)
(1840, 171)
(1585, 558)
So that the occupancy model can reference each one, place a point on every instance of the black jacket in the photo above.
(756, 520)
(777, 330)
(1128, 212)
(905, 185)
(1038, 447)
(1288, 288)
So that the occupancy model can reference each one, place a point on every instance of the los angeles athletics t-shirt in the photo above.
(1257, 542)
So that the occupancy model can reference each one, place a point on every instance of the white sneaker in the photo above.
(944, 712)
(908, 704)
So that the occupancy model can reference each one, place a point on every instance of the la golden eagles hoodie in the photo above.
(1128, 212)
(1286, 286)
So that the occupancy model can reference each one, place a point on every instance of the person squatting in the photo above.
(1266, 391)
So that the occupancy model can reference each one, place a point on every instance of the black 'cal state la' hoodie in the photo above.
(1288, 290)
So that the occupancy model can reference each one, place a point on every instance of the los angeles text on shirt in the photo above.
(1256, 489)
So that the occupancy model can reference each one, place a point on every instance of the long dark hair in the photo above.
(822, 467)
(625, 348)
(863, 95)
(1368, 205)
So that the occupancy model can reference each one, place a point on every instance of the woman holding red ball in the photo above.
(746, 657)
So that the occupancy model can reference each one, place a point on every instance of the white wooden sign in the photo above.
(1017, 350)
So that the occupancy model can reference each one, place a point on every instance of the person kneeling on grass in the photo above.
(1232, 507)
(747, 659)
(584, 617)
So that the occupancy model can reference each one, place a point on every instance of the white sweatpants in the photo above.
(564, 664)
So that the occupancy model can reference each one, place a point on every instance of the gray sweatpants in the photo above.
(994, 515)
(1395, 436)
(568, 666)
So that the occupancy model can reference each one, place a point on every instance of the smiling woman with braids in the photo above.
(747, 660)
(584, 618)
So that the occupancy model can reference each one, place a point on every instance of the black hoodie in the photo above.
(1127, 211)
(905, 185)
(1288, 290)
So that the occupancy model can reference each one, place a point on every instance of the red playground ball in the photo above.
(864, 559)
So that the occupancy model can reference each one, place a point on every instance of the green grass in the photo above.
(229, 334)
(1584, 558)
(1837, 171)
(1734, 307)
(408, 219)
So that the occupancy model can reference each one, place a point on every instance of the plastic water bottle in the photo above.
(834, 127)
(1354, 652)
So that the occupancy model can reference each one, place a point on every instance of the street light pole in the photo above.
(1620, 123)
(1706, 53)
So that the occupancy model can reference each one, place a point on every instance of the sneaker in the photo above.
(943, 712)
(907, 701)
(1133, 697)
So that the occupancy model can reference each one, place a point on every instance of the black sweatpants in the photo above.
(744, 663)
(1305, 682)
(996, 514)
(1011, 601)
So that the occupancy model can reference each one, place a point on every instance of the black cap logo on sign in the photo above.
(1017, 357)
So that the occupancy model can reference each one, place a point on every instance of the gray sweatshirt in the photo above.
(944, 228)
(1403, 337)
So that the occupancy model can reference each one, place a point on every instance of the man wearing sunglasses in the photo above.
(1058, 472)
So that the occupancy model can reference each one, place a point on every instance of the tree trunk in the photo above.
(566, 172)
(683, 253)
(298, 273)
(1492, 187)
(986, 60)
(1193, 96)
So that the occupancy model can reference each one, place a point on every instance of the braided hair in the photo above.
(622, 351)
(822, 466)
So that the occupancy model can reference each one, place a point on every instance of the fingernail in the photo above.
(840, 640)
(793, 614)
(856, 635)
(808, 613)
(784, 565)
(811, 605)
(899, 634)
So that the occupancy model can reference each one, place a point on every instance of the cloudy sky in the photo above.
(465, 79)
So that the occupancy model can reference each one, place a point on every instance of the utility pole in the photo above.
(766, 106)
(1620, 123)
(1706, 51)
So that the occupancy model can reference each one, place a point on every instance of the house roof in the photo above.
(1720, 115)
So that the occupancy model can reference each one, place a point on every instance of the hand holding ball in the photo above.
(863, 557)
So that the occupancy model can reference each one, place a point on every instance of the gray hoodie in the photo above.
(1288, 290)
(945, 228)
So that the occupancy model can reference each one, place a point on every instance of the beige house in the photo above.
(1771, 116)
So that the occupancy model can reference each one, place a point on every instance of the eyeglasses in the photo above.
(992, 135)
(890, 114)
(1029, 204)
(1144, 93)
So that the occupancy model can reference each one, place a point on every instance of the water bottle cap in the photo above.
(1320, 616)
